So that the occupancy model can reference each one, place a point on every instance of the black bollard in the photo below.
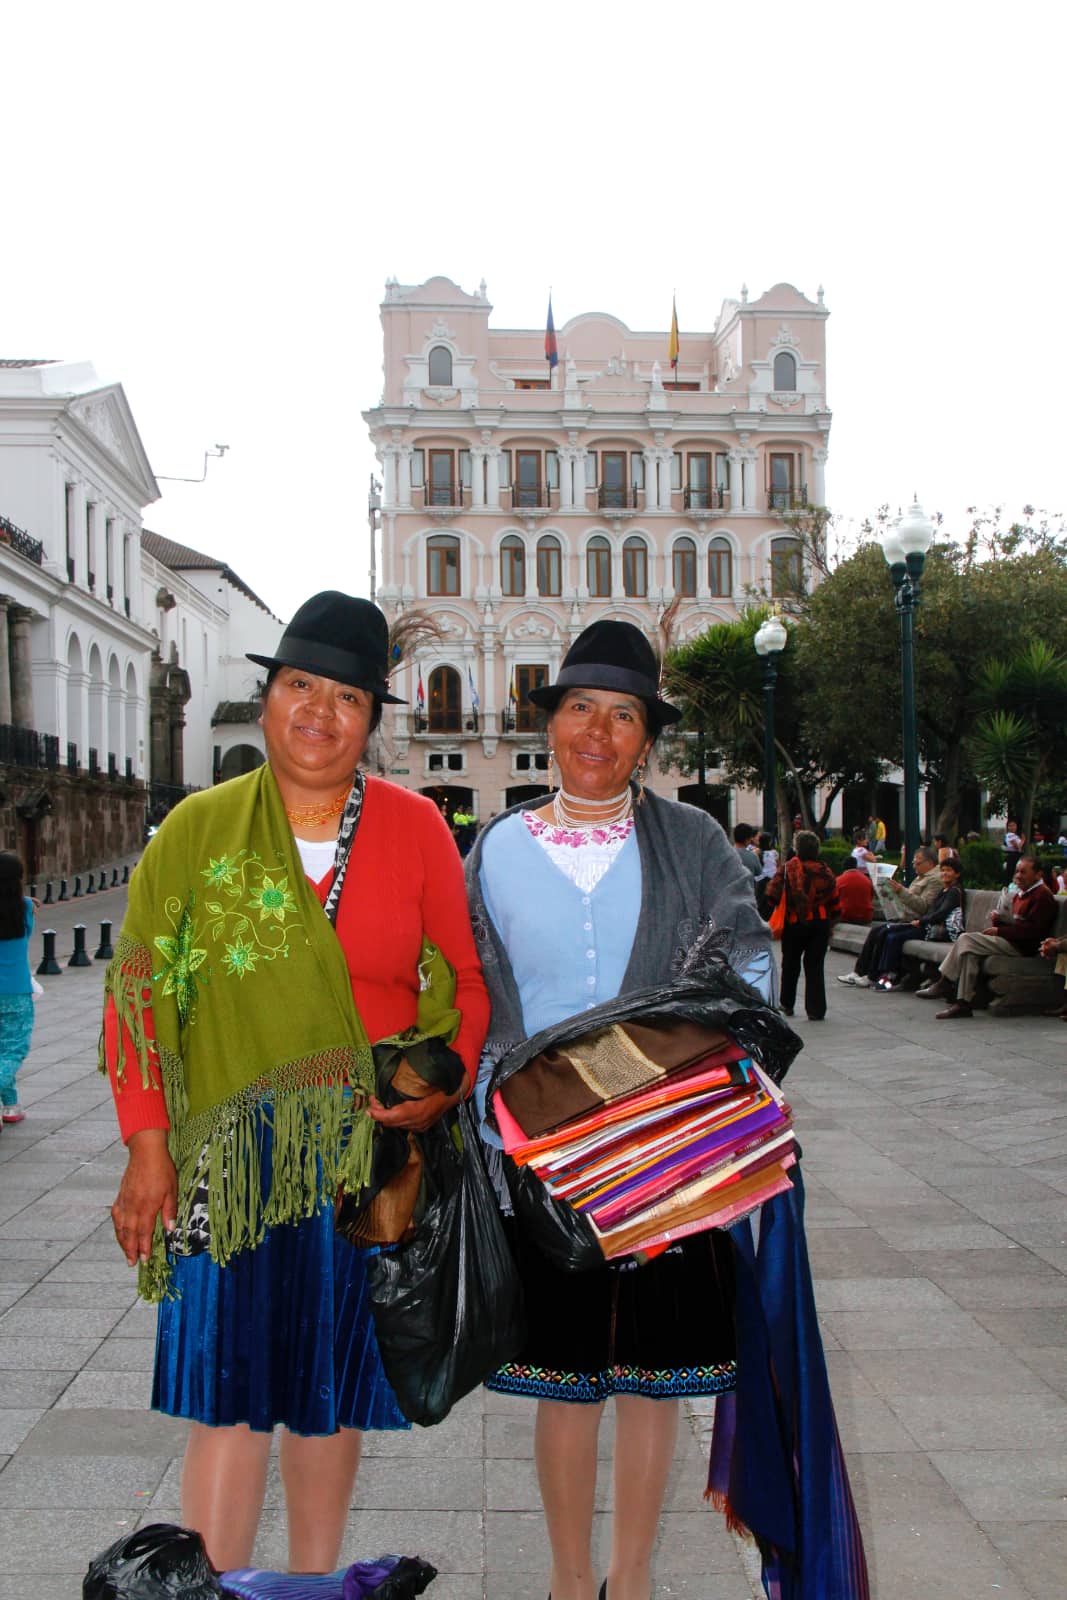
(49, 966)
(114, 877)
(80, 958)
(89, 889)
(48, 893)
(105, 952)
(126, 873)
(33, 891)
(77, 889)
(63, 892)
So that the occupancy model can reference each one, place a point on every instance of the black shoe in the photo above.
(787, 1011)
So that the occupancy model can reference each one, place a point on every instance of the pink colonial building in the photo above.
(520, 503)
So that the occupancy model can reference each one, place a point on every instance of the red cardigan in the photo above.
(404, 877)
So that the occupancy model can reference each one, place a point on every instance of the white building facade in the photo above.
(520, 503)
(74, 481)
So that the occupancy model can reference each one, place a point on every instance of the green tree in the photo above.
(1020, 739)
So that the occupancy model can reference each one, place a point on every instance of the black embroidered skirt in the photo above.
(659, 1330)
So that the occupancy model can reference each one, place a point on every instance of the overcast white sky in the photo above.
(205, 201)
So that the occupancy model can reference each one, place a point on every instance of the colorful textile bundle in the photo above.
(387, 1578)
(687, 1131)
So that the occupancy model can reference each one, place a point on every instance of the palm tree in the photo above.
(1020, 737)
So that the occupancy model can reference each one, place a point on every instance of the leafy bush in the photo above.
(983, 864)
(834, 853)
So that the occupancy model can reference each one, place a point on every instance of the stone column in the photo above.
(21, 667)
(492, 478)
(389, 476)
(748, 479)
(403, 484)
(735, 484)
(651, 460)
(580, 486)
(77, 533)
(666, 493)
(5, 664)
(477, 478)
(566, 480)
(819, 457)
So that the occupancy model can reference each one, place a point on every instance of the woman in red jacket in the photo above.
(275, 929)
(811, 909)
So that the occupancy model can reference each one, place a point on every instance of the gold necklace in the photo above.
(314, 816)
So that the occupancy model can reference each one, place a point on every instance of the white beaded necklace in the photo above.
(622, 807)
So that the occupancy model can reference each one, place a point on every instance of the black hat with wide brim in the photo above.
(610, 655)
(339, 636)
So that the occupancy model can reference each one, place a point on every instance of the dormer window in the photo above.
(785, 370)
(441, 367)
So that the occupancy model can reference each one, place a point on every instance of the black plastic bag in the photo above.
(447, 1305)
(563, 1235)
(159, 1562)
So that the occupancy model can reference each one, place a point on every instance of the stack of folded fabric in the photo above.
(652, 1130)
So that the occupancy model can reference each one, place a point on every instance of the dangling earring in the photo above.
(551, 764)
(641, 783)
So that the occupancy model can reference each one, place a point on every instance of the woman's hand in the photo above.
(416, 1115)
(149, 1189)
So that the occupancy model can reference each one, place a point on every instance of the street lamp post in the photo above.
(769, 642)
(904, 545)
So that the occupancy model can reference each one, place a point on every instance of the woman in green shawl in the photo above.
(278, 924)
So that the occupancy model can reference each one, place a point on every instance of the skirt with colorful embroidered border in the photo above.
(658, 1330)
(282, 1334)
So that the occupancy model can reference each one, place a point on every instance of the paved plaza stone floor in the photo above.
(936, 1163)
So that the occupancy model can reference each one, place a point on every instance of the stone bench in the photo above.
(1010, 982)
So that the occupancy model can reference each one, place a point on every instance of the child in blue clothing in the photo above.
(16, 986)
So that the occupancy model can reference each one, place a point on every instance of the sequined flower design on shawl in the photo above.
(182, 960)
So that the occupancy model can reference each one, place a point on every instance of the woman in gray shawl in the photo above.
(605, 890)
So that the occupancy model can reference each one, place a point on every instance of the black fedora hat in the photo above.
(338, 636)
(610, 655)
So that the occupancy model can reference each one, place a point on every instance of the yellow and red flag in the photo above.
(672, 348)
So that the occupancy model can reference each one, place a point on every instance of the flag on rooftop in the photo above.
(672, 348)
(551, 351)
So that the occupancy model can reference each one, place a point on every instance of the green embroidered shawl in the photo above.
(251, 1003)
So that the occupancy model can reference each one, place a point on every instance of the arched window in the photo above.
(720, 568)
(512, 565)
(598, 567)
(787, 568)
(685, 567)
(444, 700)
(442, 564)
(785, 370)
(635, 568)
(549, 565)
(441, 367)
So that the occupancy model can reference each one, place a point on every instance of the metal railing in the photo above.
(705, 499)
(788, 499)
(441, 496)
(616, 499)
(532, 497)
(20, 541)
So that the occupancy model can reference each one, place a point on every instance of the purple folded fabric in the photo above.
(386, 1578)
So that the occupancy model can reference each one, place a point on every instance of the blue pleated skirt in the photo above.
(283, 1334)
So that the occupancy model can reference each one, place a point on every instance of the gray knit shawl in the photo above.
(694, 891)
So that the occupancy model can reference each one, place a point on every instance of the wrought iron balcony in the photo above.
(19, 541)
(531, 497)
(788, 499)
(442, 497)
(705, 499)
(609, 498)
